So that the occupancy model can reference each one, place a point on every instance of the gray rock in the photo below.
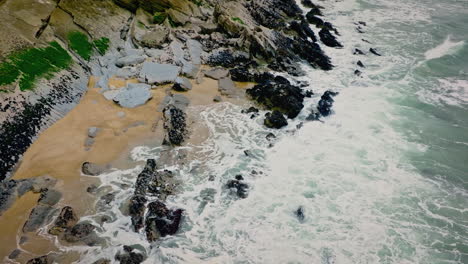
(14, 254)
(89, 142)
(42, 183)
(135, 94)
(217, 73)
(92, 132)
(182, 84)
(154, 53)
(82, 232)
(190, 70)
(129, 60)
(110, 94)
(127, 72)
(227, 87)
(92, 169)
(217, 98)
(103, 82)
(195, 51)
(132, 52)
(39, 216)
(178, 52)
(155, 38)
(155, 73)
(50, 197)
(178, 100)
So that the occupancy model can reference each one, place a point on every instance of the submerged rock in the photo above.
(360, 64)
(161, 221)
(129, 257)
(137, 208)
(66, 220)
(240, 188)
(373, 51)
(326, 102)
(300, 214)
(328, 39)
(41, 260)
(275, 119)
(40, 215)
(82, 232)
(279, 95)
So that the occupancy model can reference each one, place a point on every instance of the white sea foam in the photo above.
(363, 201)
(448, 47)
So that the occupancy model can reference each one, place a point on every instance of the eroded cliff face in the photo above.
(248, 38)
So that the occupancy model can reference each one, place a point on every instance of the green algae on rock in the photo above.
(28, 65)
(102, 45)
(80, 44)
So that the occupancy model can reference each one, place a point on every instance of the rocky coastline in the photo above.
(159, 52)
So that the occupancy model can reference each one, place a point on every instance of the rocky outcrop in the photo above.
(280, 95)
(175, 125)
(161, 221)
(275, 120)
(129, 256)
(237, 186)
(326, 102)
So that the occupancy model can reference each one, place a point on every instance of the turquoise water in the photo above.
(382, 180)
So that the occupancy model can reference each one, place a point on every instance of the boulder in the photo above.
(195, 51)
(49, 197)
(303, 30)
(279, 95)
(161, 221)
(129, 257)
(217, 73)
(312, 19)
(41, 260)
(182, 84)
(135, 94)
(326, 102)
(92, 169)
(82, 233)
(237, 186)
(300, 214)
(129, 60)
(360, 64)
(373, 51)
(40, 215)
(92, 132)
(136, 211)
(227, 87)
(66, 220)
(328, 39)
(155, 73)
(275, 119)
(175, 125)
(178, 100)
(155, 38)
(190, 70)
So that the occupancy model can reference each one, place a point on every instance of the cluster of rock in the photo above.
(151, 189)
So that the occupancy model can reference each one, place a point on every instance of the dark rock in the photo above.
(328, 39)
(285, 97)
(303, 30)
(161, 221)
(40, 260)
(362, 23)
(108, 198)
(92, 169)
(228, 59)
(326, 102)
(313, 116)
(81, 232)
(318, 22)
(217, 99)
(175, 125)
(153, 182)
(275, 120)
(360, 64)
(14, 254)
(248, 153)
(300, 214)
(309, 4)
(358, 52)
(92, 189)
(365, 40)
(240, 188)
(312, 53)
(308, 94)
(243, 74)
(286, 64)
(250, 110)
(314, 12)
(270, 136)
(357, 72)
(373, 51)
(66, 220)
(129, 257)
(137, 211)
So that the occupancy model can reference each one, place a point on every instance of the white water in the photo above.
(363, 201)
(448, 47)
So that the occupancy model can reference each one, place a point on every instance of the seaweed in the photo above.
(102, 45)
(79, 43)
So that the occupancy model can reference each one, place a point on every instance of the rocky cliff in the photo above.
(117, 38)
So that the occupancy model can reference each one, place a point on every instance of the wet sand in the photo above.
(60, 151)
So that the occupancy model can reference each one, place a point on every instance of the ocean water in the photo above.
(382, 180)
